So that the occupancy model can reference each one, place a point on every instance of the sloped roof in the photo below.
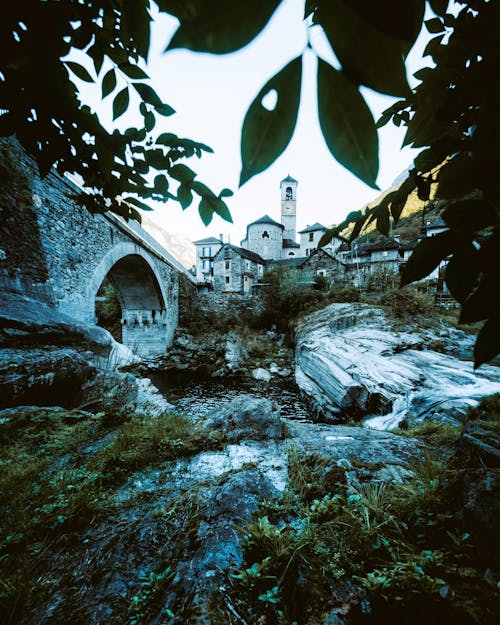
(241, 251)
(266, 220)
(290, 262)
(314, 228)
(387, 243)
(207, 240)
(289, 179)
(290, 243)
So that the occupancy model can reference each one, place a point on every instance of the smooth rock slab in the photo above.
(352, 363)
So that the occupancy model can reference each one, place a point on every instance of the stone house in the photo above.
(236, 269)
(318, 263)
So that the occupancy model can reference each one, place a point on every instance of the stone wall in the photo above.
(227, 303)
(268, 247)
(54, 250)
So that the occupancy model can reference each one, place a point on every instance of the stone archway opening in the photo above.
(131, 286)
(108, 309)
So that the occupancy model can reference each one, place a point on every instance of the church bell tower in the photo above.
(289, 207)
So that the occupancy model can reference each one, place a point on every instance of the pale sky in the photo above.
(211, 95)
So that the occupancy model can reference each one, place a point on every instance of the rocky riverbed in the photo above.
(116, 509)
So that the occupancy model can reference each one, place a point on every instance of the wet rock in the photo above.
(365, 454)
(483, 440)
(236, 353)
(352, 363)
(44, 376)
(261, 374)
(247, 418)
(219, 543)
(27, 322)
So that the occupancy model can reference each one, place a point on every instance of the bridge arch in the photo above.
(140, 290)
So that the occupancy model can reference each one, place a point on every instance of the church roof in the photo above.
(289, 179)
(267, 220)
(207, 240)
(314, 228)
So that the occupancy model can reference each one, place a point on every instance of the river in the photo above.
(197, 396)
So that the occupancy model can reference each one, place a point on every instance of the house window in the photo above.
(228, 264)
(261, 269)
(291, 253)
(247, 265)
(205, 266)
(228, 279)
(206, 251)
(311, 236)
(321, 272)
(265, 235)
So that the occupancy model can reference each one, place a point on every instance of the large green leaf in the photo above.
(488, 342)
(461, 272)
(219, 26)
(147, 93)
(482, 302)
(79, 71)
(371, 40)
(133, 71)
(427, 256)
(120, 103)
(135, 23)
(458, 177)
(108, 82)
(347, 124)
(470, 215)
(265, 133)
(182, 173)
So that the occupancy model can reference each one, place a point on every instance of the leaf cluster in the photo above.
(106, 43)
(451, 114)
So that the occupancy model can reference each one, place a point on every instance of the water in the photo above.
(197, 396)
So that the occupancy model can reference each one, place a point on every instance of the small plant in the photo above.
(406, 302)
(271, 596)
(142, 603)
(250, 576)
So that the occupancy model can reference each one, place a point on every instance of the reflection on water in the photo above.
(191, 394)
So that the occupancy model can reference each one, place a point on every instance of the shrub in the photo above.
(344, 293)
(286, 296)
(407, 302)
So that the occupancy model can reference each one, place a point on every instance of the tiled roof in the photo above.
(290, 262)
(243, 253)
(314, 228)
(208, 240)
(266, 220)
(290, 243)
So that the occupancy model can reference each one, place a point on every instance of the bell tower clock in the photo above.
(289, 207)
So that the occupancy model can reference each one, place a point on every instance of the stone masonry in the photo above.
(54, 250)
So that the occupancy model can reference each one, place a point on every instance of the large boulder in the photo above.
(247, 417)
(352, 364)
(47, 358)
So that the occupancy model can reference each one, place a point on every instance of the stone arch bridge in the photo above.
(54, 250)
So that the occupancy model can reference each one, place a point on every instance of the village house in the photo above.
(317, 263)
(206, 249)
(236, 269)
